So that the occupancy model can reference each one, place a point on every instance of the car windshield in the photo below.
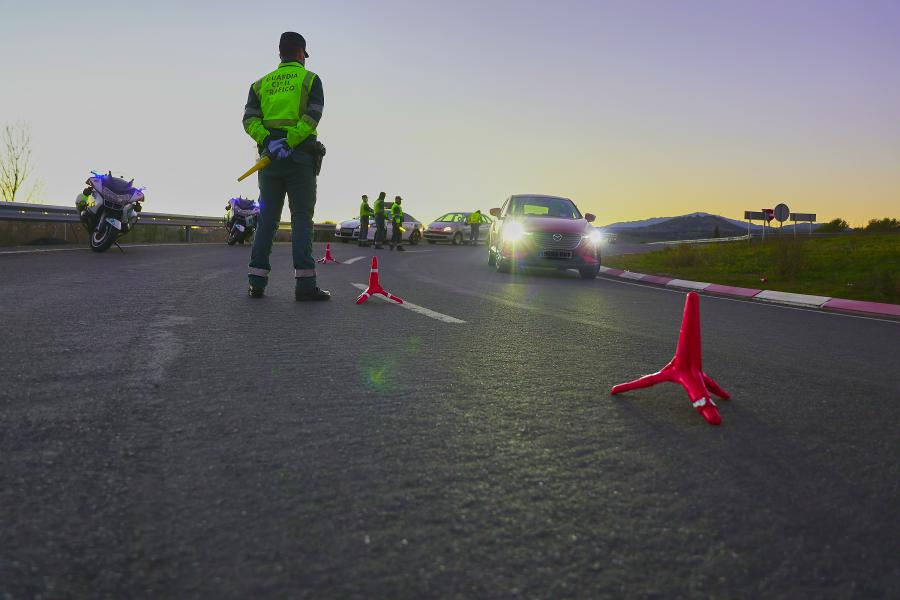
(537, 206)
(450, 218)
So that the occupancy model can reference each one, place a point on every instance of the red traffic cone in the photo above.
(328, 257)
(375, 286)
(686, 369)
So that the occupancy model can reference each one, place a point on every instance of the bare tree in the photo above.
(15, 162)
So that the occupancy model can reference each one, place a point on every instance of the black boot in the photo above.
(256, 292)
(401, 249)
(313, 294)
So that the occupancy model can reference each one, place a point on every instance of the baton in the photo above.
(263, 162)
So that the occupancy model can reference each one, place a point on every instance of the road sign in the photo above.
(782, 212)
(803, 217)
(754, 216)
(770, 213)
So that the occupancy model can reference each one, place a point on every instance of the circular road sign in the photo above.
(782, 212)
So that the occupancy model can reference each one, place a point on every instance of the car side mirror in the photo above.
(495, 212)
(590, 218)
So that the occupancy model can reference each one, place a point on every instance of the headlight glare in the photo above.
(513, 232)
(595, 237)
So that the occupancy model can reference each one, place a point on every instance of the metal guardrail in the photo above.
(704, 241)
(18, 211)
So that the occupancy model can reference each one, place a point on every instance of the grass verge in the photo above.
(858, 267)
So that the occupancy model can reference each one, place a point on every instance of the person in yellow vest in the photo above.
(365, 211)
(397, 224)
(282, 113)
(474, 225)
(380, 229)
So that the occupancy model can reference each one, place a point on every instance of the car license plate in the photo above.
(114, 222)
(556, 254)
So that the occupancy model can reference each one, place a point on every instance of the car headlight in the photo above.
(513, 232)
(595, 237)
(448, 229)
(337, 227)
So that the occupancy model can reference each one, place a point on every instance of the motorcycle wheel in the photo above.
(103, 237)
(233, 237)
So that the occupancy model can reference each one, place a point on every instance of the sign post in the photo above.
(781, 213)
(770, 214)
(754, 216)
(803, 218)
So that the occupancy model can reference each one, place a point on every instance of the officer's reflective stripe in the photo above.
(316, 107)
(249, 121)
(299, 273)
(258, 272)
(304, 90)
(310, 121)
(252, 112)
(279, 122)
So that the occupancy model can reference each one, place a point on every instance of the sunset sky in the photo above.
(632, 109)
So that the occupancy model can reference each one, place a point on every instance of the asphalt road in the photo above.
(164, 436)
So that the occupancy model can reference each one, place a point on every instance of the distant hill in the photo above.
(624, 225)
(696, 225)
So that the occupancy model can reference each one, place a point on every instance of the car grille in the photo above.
(346, 232)
(566, 241)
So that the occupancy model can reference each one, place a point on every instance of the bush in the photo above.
(834, 226)
(885, 225)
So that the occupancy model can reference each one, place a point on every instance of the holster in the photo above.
(317, 150)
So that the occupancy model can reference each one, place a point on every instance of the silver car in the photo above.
(348, 230)
(454, 228)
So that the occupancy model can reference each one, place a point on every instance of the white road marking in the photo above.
(353, 260)
(42, 250)
(415, 308)
(125, 246)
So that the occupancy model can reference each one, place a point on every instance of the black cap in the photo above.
(290, 42)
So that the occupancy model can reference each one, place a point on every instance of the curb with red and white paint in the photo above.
(879, 309)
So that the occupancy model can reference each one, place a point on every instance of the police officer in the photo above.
(365, 211)
(380, 229)
(281, 115)
(474, 225)
(397, 223)
(82, 201)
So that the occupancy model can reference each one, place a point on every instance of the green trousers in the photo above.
(296, 177)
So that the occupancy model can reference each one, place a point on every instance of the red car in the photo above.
(545, 232)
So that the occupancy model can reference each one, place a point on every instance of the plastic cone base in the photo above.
(328, 258)
(686, 368)
(375, 287)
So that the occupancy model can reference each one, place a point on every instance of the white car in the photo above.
(349, 230)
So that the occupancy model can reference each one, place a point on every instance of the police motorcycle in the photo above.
(242, 223)
(108, 208)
